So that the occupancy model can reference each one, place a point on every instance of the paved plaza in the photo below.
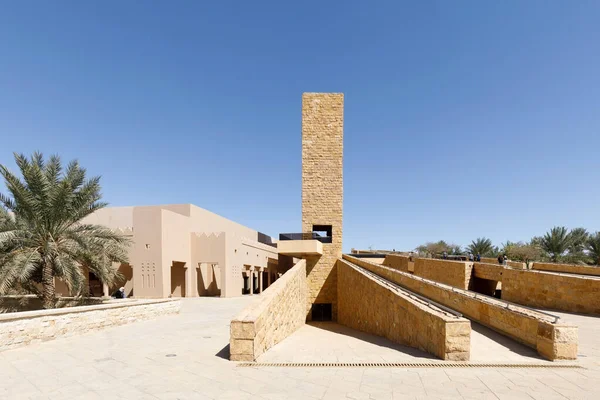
(185, 357)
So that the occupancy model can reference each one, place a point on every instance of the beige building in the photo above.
(182, 250)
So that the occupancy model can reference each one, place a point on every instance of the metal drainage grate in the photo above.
(409, 365)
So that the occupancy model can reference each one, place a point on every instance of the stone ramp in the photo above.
(541, 331)
(371, 304)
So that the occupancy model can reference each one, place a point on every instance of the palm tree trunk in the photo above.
(48, 300)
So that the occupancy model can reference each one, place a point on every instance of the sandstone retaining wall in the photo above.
(398, 262)
(453, 273)
(569, 268)
(564, 292)
(23, 328)
(368, 305)
(280, 312)
(551, 340)
(488, 271)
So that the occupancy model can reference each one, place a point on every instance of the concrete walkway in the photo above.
(184, 357)
(326, 342)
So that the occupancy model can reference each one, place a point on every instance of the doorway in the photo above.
(178, 279)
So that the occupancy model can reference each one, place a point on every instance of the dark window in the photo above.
(321, 312)
(323, 233)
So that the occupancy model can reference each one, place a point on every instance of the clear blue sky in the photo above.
(462, 118)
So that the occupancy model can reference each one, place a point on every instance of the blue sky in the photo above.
(462, 119)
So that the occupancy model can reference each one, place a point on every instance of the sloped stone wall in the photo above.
(526, 326)
(369, 306)
(280, 311)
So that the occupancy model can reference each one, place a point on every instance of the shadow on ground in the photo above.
(373, 339)
(224, 353)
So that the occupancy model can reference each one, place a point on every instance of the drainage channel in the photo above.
(409, 365)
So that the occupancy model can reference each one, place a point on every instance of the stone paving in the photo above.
(327, 342)
(184, 357)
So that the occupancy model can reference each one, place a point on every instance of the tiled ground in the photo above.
(135, 362)
(328, 342)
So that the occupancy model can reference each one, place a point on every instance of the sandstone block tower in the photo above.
(322, 195)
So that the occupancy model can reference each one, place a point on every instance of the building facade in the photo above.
(181, 250)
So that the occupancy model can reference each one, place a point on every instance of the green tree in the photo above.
(579, 239)
(41, 233)
(593, 248)
(433, 249)
(482, 246)
(524, 252)
(556, 243)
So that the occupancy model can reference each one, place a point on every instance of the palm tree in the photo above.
(41, 233)
(593, 247)
(579, 239)
(556, 242)
(482, 246)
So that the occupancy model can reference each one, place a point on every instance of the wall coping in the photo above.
(111, 304)
(559, 273)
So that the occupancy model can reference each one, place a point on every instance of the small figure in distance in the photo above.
(445, 255)
(505, 260)
(500, 259)
(471, 257)
(478, 258)
(120, 294)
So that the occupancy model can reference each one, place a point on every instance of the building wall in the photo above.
(369, 306)
(146, 253)
(163, 237)
(112, 217)
(322, 188)
(280, 312)
(208, 249)
(176, 255)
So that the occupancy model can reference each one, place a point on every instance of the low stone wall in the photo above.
(280, 312)
(20, 303)
(23, 328)
(370, 306)
(552, 340)
(552, 290)
(453, 273)
(568, 268)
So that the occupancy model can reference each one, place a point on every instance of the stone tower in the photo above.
(322, 194)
